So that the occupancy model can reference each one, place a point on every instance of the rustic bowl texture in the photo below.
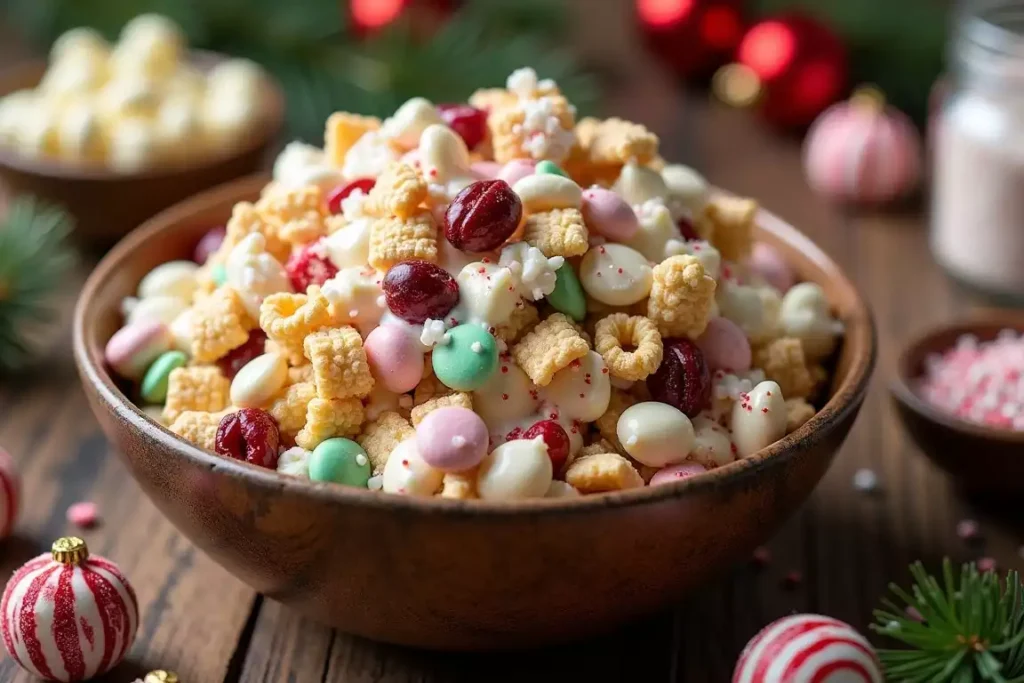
(459, 575)
(106, 204)
(981, 460)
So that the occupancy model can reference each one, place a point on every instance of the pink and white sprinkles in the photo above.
(979, 381)
(808, 648)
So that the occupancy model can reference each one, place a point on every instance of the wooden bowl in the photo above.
(107, 204)
(980, 459)
(461, 575)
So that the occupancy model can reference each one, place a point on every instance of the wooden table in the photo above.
(209, 627)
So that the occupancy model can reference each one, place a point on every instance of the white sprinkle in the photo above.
(458, 441)
(476, 347)
(361, 459)
(865, 480)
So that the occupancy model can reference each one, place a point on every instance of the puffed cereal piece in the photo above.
(783, 362)
(199, 388)
(616, 141)
(798, 412)
(290, 406)
(220, 323)
(342, 131)
(490, 99)
(429, 388)
(681, 297)
(245, 220)
(298, 214)
(508, 137)
(607, 424)
(523, 319)
(298, 374)
(559, 232)
(340, 368)
(399, 191)
(380, 437)
(394, 239)
(552, 345)
(458, 399)
(289, 318)
(602, 472)
(327, 418)
(641, 333)
(459, 485)
(728, 223)
(198, 427)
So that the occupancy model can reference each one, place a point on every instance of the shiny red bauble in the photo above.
(691, 37)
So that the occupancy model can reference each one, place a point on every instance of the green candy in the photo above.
(341, 461)
(154, 383)
(567, 296)
(550, 167)
(468, 360)
(219, 274)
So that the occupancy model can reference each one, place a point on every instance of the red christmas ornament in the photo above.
(790, 67)
(692, 37)
(425, 16)
(67, 616)
(10, 493)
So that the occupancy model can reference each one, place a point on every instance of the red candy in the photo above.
(335, 196)
(250, 435)
(416, 290)
(555, 439)
(235, 359)
(208, 243)
(483, 216)
(687, 230)
(469, 122)
(310, 266)
(683, 379)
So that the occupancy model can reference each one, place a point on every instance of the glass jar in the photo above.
(977, 221)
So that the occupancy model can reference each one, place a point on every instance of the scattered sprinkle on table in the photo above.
(865, 480)
(84, 515)
(967, 529)
(792, 579)
(762, 556)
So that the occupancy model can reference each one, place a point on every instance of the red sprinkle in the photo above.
(762, 556)
(792, 579)
(84, 515)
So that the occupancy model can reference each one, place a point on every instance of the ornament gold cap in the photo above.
(868, 98)
(737, 85)
(161, 676)
(70, 550)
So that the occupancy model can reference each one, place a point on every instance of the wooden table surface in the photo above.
(201, 622)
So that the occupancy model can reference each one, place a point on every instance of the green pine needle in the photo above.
(34, 258)
(972, 628)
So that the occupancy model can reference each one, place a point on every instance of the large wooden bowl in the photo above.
(107, 204)
(446, 574)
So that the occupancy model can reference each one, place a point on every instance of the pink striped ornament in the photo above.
(10, 493)
(808, 648)
(68, 616)
(862, 151)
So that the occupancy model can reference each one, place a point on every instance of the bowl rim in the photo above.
(845, 400)
(274, 116)
(900, 386)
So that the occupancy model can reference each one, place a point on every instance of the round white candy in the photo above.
(515, 470)
(508, 395)
(443, 155)
(164, 309)
(758, 418)
(804, 314)
(177, 124)
(582, 390)
(174, 278)
(36, 132)
(754, 309)
(638, 184)
(711, 444)
(259, 380)
(150, 43)
(407, 473)
(616, 275)
(655, 434)
(547, 191)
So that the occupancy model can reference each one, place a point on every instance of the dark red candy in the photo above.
(482, 216)
(237, 358)
(555, 439)
(310, 266)
(335, 196)
(208, 243)
(416, 290)
(250, 435)
(468, 121)
(687, 230)
(683, 379)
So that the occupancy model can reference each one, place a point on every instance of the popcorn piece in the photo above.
(394, 239)
(533, 129)
(784, 363)
(728, 223)
(220, 323)
(289, 408)
(523, 319)
(616, 141)
(559, 232)
(340, 369)
(459, 485)
(798, 412)
(549, 347)
(602, 472)
(245, 220)
(381, 436)
(198, 427)
(617, 330)
(681, 297)
(289, 318)
(399, 192)
(329, 418)
(607, 424)
(342, 131)
(457, 399)
(198, 388)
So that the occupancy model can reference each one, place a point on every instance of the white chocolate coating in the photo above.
(638, 184)
(444, 160)
(406, 473)
(368, 157)
(407, 124)
(655, 434)
(254, 273)
(259, 380)
(515, 470)
(174, 278)
(711, 444)
(356, 294)
(534, 272)
(487, 295)
(657, 231)
(547, 191)
(349, 247)
(758, 418)
(294, 462)
(508, 396)
(616, 275)
(686, 187)
(582, 390)
(804, 314)
(300, 164)
(708, 256)
(754, 309)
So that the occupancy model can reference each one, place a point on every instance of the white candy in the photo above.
(407, 473)
(805, 314)
(357, 296)
(156, 308)
(254, 273)
(434, 332)
(657, 230)
(407, 124)
(259, 380)
(369, 156)
(711, 444)
(547, 191)
(581, 391)
(708, 256)
(133, 146)
(559, 489)
(349, 246)
(638, 184)
(758, 419)
(444, 160)
(616, 275)
(79, 133)
(294, 462)
(655, 434)
(487, 295)
(535, 273)
(182, 331)
(173, 278)
(515, 470)
(506, 397)
(754, 309)
(685, 187)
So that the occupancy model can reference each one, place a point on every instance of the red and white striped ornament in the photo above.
(808, 648)
(68, 616)
(10, 493)
(862, 151)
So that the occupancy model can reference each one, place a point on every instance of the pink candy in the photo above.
(452, 439)
(767, 262)
(132, 348)
(84, 515)
(395, 357)
(725, 346)
(608, 214)
(516, 170)
(486, 170)
(676, 473)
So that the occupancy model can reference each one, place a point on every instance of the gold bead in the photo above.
(70, 550)
(161, 676)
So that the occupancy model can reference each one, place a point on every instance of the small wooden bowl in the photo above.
(447, 574)
(980, 459)
(107, 204)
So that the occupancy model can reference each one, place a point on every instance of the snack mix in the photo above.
(132, 106)
(486, 300)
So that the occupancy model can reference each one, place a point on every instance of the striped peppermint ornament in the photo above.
(808, 648)
(69, 616)
(10, 493)
(862, 151)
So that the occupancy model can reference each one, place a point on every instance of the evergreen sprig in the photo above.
(34, 258)
(971, 629)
